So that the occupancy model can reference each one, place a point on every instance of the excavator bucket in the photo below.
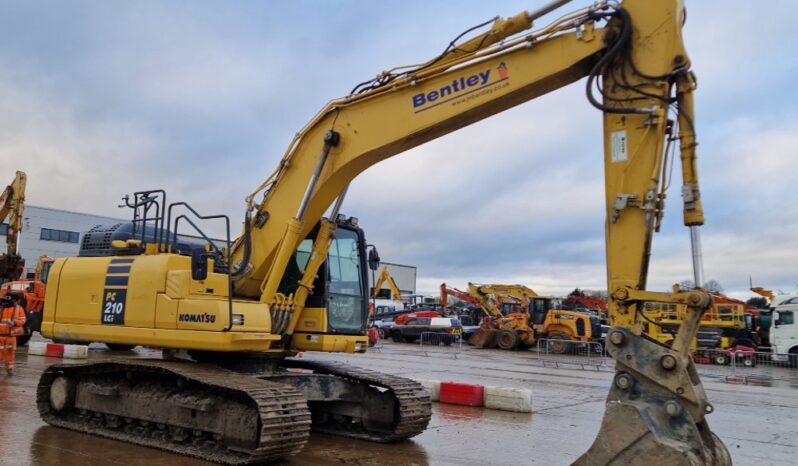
(484, 338)
(11, 267)
(655, 411)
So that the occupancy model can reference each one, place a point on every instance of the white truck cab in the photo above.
(784, 333)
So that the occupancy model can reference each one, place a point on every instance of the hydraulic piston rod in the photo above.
(698, 256)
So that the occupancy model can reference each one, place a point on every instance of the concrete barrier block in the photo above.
(433, 387)
(76, 351)
(518, 400)
(37, 348)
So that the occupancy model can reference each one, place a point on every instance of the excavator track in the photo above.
(237, 419)
(412, 408)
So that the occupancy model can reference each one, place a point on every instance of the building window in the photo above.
(60, 235)
(3, 229)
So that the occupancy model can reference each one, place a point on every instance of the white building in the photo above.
(52, 232)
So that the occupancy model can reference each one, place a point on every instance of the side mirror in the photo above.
(199, 264)
(374, 259)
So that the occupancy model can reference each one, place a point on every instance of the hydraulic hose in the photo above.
(241, 270)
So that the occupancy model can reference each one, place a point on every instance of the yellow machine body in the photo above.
(151, 300)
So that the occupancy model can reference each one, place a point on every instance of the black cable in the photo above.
(624, 83)
(642, 313)
(627, 18)
(616, 58)
(452, 46)
(239, 272)
(621, 79)
(600, 67)
(606, 96)
(376, 83)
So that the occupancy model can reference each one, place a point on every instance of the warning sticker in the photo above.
(619, 146)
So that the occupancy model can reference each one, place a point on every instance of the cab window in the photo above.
(346, 293)
(786, 318)
(303, 254)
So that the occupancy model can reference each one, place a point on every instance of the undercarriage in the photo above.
(229, 417)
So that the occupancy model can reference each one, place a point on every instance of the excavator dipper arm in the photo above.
(385, 277)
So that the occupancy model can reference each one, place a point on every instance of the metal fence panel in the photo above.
(740, 365)
(556, 352)
(435, 343)
(714, 363)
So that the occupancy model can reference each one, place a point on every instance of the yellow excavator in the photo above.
(12, 207)
(294, 279)
(529, 318)
(385, 277)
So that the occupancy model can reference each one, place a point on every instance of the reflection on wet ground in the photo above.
(328, 449)
(53, 446)
(568, 405)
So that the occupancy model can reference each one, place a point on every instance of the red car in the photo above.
(402, 319)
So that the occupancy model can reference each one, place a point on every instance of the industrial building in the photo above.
(52, 232)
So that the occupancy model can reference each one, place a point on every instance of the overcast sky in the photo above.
(98, 99)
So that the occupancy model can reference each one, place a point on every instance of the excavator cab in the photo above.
(43, 269)
(539, 308)
(337, 304)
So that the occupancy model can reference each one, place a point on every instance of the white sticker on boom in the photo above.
(619, 146)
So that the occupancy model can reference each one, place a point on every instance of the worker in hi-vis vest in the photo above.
(12, 323)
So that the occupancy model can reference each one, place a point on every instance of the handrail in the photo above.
(226, 255)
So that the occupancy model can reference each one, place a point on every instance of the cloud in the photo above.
(201, 98)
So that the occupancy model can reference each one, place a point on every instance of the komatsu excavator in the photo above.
(238, 314)
(12, 206)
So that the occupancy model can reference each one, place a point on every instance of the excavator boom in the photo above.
(454, 292)
(12, 207)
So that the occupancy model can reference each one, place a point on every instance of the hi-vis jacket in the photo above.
(12, 321)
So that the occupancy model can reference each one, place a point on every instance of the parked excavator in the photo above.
(597, 306)
(468, 316)
(385, 277)
(295, 280)
(12, 207)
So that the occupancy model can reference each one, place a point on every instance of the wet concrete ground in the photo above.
(758, 424)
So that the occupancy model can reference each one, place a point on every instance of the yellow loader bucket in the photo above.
(484, 338)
